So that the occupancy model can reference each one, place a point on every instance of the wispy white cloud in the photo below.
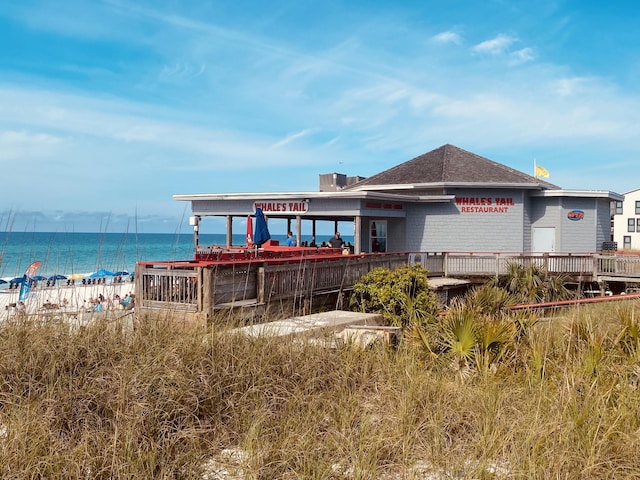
(524, 55)
(568, 86)
(16, 145)
(291, 138)
(181, 71)
(495, 46)
(448, 37)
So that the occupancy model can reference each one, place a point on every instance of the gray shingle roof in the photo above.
(451, 165)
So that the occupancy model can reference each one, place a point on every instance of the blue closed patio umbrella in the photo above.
(261, 231)
(57, 277)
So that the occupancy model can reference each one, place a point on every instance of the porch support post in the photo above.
(229, 230)
(205, 294)
(357, 228)
(298, 230)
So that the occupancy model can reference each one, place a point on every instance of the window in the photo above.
(618, 208)
(631, 224)
(637, 207)
(637, 224)
(627, 242)
(378, 236)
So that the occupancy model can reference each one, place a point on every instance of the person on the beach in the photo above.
(125, 301)
(336, 241)
(87, 305)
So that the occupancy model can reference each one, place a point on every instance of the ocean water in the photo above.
(83, 253)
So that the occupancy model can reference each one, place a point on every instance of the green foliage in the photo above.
(460, 334)
(530, 284)
(402, 295)
(467, 337)
(489, 299)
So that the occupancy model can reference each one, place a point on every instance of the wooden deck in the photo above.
(201, 286)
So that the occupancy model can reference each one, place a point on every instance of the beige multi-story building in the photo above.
(626, 221)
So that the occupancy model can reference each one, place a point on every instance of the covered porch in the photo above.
(375, 220)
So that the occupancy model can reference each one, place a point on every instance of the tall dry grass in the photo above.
(161, 402)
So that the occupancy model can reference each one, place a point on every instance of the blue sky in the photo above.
(108, 108)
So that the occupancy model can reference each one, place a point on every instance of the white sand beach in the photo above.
(62, 297)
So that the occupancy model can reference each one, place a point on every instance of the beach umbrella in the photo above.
(76, 276)
(2, 280)
(57, 276)
(39, 278)
(16, 280)
(249, 231)
(101, 273)
(123, 273)
(262, 231)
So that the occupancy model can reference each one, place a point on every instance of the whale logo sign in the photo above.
(575, 215)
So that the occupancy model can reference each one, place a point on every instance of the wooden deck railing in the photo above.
(491, 264)
(309, 278)
(203, 286)
(167, 288)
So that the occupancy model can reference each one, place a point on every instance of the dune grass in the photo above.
(160, 402)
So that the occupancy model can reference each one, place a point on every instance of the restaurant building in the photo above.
(446, 200)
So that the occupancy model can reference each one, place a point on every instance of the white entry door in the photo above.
(544, 239)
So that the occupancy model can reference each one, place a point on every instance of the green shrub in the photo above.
(402, 295)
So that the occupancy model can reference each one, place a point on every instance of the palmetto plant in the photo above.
(474, 338)
(524, 282)
(460, 339)
(496, 337)
(490, 299)
(530, 284)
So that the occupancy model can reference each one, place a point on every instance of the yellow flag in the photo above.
(542, 172)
